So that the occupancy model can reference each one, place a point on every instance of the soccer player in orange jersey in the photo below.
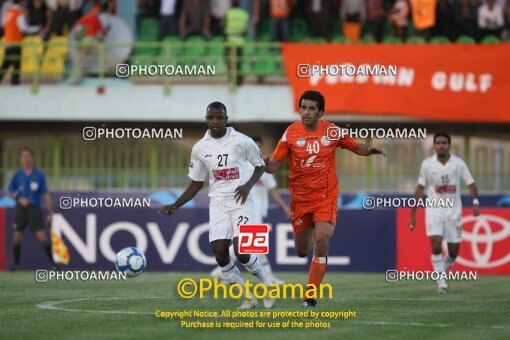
(310, 151)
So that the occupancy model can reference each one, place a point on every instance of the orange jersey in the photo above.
(312, 163)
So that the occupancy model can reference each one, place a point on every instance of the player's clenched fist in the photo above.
(168, 209)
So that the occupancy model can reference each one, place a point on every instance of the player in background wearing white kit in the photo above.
(226, 155)
(441, 175)
(259, 194)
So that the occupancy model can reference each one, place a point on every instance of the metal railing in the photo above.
(73, 164)
(51, 61)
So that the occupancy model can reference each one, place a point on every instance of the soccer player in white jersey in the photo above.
(441, 174)
(259, 194)
(226, 155)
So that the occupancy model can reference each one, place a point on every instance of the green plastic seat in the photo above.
(216, 47)
(392, 40)
(367, 39)
(341, 40)
(195, 46)
(416, 40)
(318, 40)
(490, 39)
(465, 39)
(440, 39)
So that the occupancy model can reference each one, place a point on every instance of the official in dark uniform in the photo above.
(27, 187)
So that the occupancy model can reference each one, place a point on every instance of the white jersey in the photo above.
(443, 181)
(259, 194)
(226, 159)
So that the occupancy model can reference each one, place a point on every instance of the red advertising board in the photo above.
(485, 246)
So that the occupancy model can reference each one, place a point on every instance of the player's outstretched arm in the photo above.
(272, 165)
(418, 193)
(363, 150)
(241, 192)
(190, 192)
(473, 191)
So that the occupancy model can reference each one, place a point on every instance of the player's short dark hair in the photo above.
(27, 149)
(217, 106)
(443, 134)
(315, 96)
(257, 139)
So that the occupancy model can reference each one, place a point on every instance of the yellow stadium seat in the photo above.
(31, 51)
(53, 63)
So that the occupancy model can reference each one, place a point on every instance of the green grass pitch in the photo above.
(125, 309)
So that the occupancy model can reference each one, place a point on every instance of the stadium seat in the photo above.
(264, 64)
(216, 47)
(416, 40)
(490, 39)
(53, 63)
(149, 28)
(440, 39)
(392, 40)
(195, 46)
(465, 39)
(367, 39)
(32, 49)
(318, 40)
(340, 40)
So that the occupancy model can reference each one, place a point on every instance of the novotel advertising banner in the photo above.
(365, 240)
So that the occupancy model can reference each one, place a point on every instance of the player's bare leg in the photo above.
(304, 242)
(254, 267)
(16, 248)
(453, 252)
(438, 262)
(228, 268)
(41, 236)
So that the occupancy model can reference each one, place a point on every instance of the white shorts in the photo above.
(449, 230)
(225, 217)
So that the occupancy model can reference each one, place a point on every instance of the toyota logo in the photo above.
(483, 233)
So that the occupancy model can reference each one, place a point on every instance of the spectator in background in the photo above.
(399, 18)
(147, 9)
(353, 14)
(88, 32)
(5, 4)
(40, 15)
(424, 17)
(195, 19)
(236, 26)
(167, 18)
(15, 25)
(465, 20)
(506, 34)
(320, 18)
(218, 10)
(65, 14)
(376, 18)
(280, 20)
(490, 19)
(253, 9)
(445, 14)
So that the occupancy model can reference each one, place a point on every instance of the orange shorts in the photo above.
(305, 213)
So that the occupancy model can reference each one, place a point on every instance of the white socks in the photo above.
(255, 268)
(232, 274)
(448, 262)
(264, 261)
(438, 262)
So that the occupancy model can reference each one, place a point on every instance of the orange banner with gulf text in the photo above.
(452, 82)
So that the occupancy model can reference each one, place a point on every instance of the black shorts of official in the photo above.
(31, 216)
